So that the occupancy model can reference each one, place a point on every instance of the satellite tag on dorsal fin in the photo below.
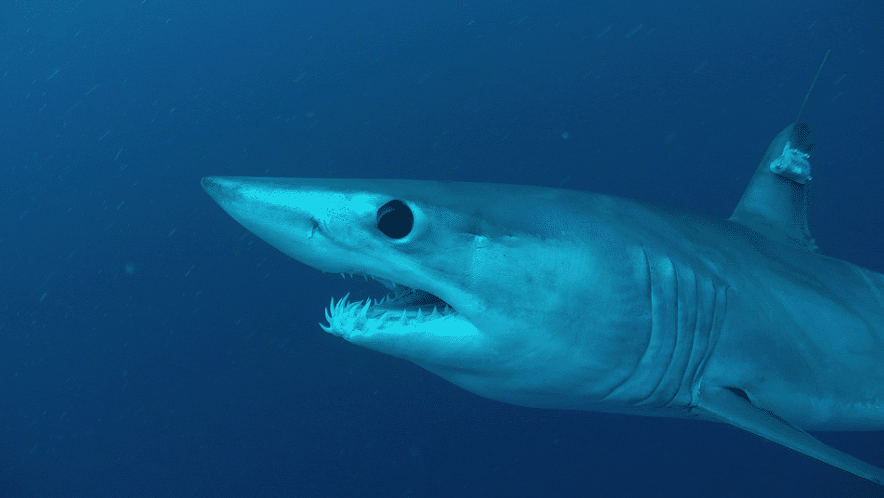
(775, 204)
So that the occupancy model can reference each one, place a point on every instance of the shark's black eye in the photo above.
(395, 219)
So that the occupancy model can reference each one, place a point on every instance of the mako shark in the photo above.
(562, 299)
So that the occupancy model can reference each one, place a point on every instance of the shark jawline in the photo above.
(402, 306)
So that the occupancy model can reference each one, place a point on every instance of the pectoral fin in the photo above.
(733, 407)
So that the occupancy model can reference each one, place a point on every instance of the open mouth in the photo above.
(401, 307)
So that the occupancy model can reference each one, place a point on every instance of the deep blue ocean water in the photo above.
(150, 346)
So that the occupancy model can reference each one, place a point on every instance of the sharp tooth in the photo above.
(328, 317)
(351, 307)
(378, 323)
(363, 314)
(327, 329)
(404, 318)
(420, 315)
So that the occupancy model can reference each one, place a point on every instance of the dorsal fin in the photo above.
(775, 204)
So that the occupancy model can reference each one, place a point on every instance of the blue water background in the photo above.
(150, 346)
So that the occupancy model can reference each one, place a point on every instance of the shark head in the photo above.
(493, 287)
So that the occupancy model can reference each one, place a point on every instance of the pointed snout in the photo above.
(211, 182)
(288, 213)
(219, 187)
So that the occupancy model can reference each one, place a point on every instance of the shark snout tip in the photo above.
(209, 182)
(218, 186)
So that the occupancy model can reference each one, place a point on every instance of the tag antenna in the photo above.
(818, 71)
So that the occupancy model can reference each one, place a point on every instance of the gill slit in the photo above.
(650, 332)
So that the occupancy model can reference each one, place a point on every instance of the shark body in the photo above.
(571, 300)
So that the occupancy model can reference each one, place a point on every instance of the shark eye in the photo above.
(395, 219)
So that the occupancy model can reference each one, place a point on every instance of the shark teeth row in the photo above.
(389, 284)
(344, 316)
